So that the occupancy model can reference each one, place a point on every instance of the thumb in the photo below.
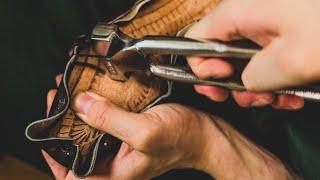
(218, 25)
(99, 113)
(265, 71)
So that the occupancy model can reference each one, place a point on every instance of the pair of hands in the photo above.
(172, 136)
(168, 137)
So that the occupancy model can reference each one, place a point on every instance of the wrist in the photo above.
(229, 155)
(217, 155)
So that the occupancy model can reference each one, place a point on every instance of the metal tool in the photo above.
(185, 76)
(165, 45)
(124, 45)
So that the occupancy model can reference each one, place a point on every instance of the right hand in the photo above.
(287, 31)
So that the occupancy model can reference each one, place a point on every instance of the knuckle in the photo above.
(203, 72)
(147, 137)
(194, 63)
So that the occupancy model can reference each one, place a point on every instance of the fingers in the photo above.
(59, 171)
(59, 79)
(248, 99)
(50, 98)
(288, 102)
(205, 68)
(264, 73)
(284, 102)
(279, 65)
(211, 68)
(217, 25)
(103, 115)
(213, 93)
(52, 93)
(127, 164)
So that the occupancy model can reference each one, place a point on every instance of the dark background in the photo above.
(35, 37)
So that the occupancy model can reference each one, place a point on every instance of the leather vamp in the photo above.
(65, 136)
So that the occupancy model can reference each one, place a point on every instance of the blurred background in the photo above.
(35, 37)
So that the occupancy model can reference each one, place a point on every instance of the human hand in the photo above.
(163, 138)
(167, 137)
(290, 56)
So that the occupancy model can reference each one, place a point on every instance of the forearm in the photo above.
(229, 155)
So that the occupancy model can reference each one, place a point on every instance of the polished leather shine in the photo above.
(65, 136)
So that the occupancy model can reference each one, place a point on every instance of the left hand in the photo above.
(163, 138)
(167, 137)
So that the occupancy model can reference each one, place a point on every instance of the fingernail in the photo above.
(260, 103)
(82, 103)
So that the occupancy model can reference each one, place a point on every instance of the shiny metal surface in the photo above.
(180, 74)
(168, 45)
(183, 75)
(188, 47)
